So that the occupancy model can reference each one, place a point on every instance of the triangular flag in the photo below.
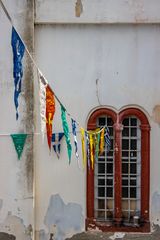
(88, 149)
(19, 141)
(75, 136)
(42, 98)
(66, 132)
(82, 131)
(56, 142)
(18, 53)
(50, 110)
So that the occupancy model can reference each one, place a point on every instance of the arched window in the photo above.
(118, 187)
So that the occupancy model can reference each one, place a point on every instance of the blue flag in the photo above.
(56, 139)
(75, 137)
(107, 139)
(18, 53)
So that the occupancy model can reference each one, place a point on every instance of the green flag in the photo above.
(19, 141)
(66, 132)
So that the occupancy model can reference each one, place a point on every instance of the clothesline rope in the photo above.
(40, 72)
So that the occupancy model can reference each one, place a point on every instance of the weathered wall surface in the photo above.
(95, 64)
(16, 177)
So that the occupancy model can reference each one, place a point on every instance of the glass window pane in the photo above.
(109, 121)
(124, 167)
(125, 144)
(124, 192)
(102, 121)
(133, 182)
(133, 144)
(109, 191)
(101, 192)
(133, 168)
(101, 182)
(133, 121)
(125, 182)
(125, 132)
(101, 168)
(101, 204)
(133, 132)
(125, 153)
(132, 192)
(100, 214)
(109, 182)
(126, 122)
(109, 167)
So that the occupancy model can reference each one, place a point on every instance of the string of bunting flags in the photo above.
(93, 143)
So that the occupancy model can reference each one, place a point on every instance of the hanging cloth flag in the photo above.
(107, 139)
(97, 146)
(75, 136)
(83, 146)
(42, 97)
(18, 53)
(91, 149)
(88, 150)
(50, 110)
(102, 141)
(66, 132)
(19, 141)
(56, 142)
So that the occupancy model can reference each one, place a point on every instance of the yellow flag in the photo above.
(83, 146)
(91, 142)
(102, 142)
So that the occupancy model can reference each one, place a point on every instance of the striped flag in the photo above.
(107, 139)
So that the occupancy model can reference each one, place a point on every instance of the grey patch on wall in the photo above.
(62, 219)
(156, 207)
(6, 236)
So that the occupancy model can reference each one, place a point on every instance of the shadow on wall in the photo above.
(62, 220)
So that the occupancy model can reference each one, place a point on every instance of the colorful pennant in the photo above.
(91, 141)
(19, 141)
(97, 146)
(50, 110)
(88, 150)
(56, 142)
(83, 146)
(66, 132)
(18, 53)
(75, 137)
(42, 98)
(102, 143)
(107, 139)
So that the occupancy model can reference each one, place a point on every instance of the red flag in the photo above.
(50, 110)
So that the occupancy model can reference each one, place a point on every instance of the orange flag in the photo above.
(50, 110)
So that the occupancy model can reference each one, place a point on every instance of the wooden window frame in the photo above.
(91, 222)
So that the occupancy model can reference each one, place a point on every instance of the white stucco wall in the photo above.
(124, 58)
(16, 210)
(72, 53)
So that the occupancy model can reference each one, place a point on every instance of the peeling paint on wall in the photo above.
(156, 207)
(62, 220)
(78, 8)
(13, 228)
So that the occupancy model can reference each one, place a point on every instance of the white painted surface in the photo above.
(95, 11)
(17, 200)
(125, 60)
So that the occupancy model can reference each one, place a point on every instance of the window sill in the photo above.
(93, 224)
